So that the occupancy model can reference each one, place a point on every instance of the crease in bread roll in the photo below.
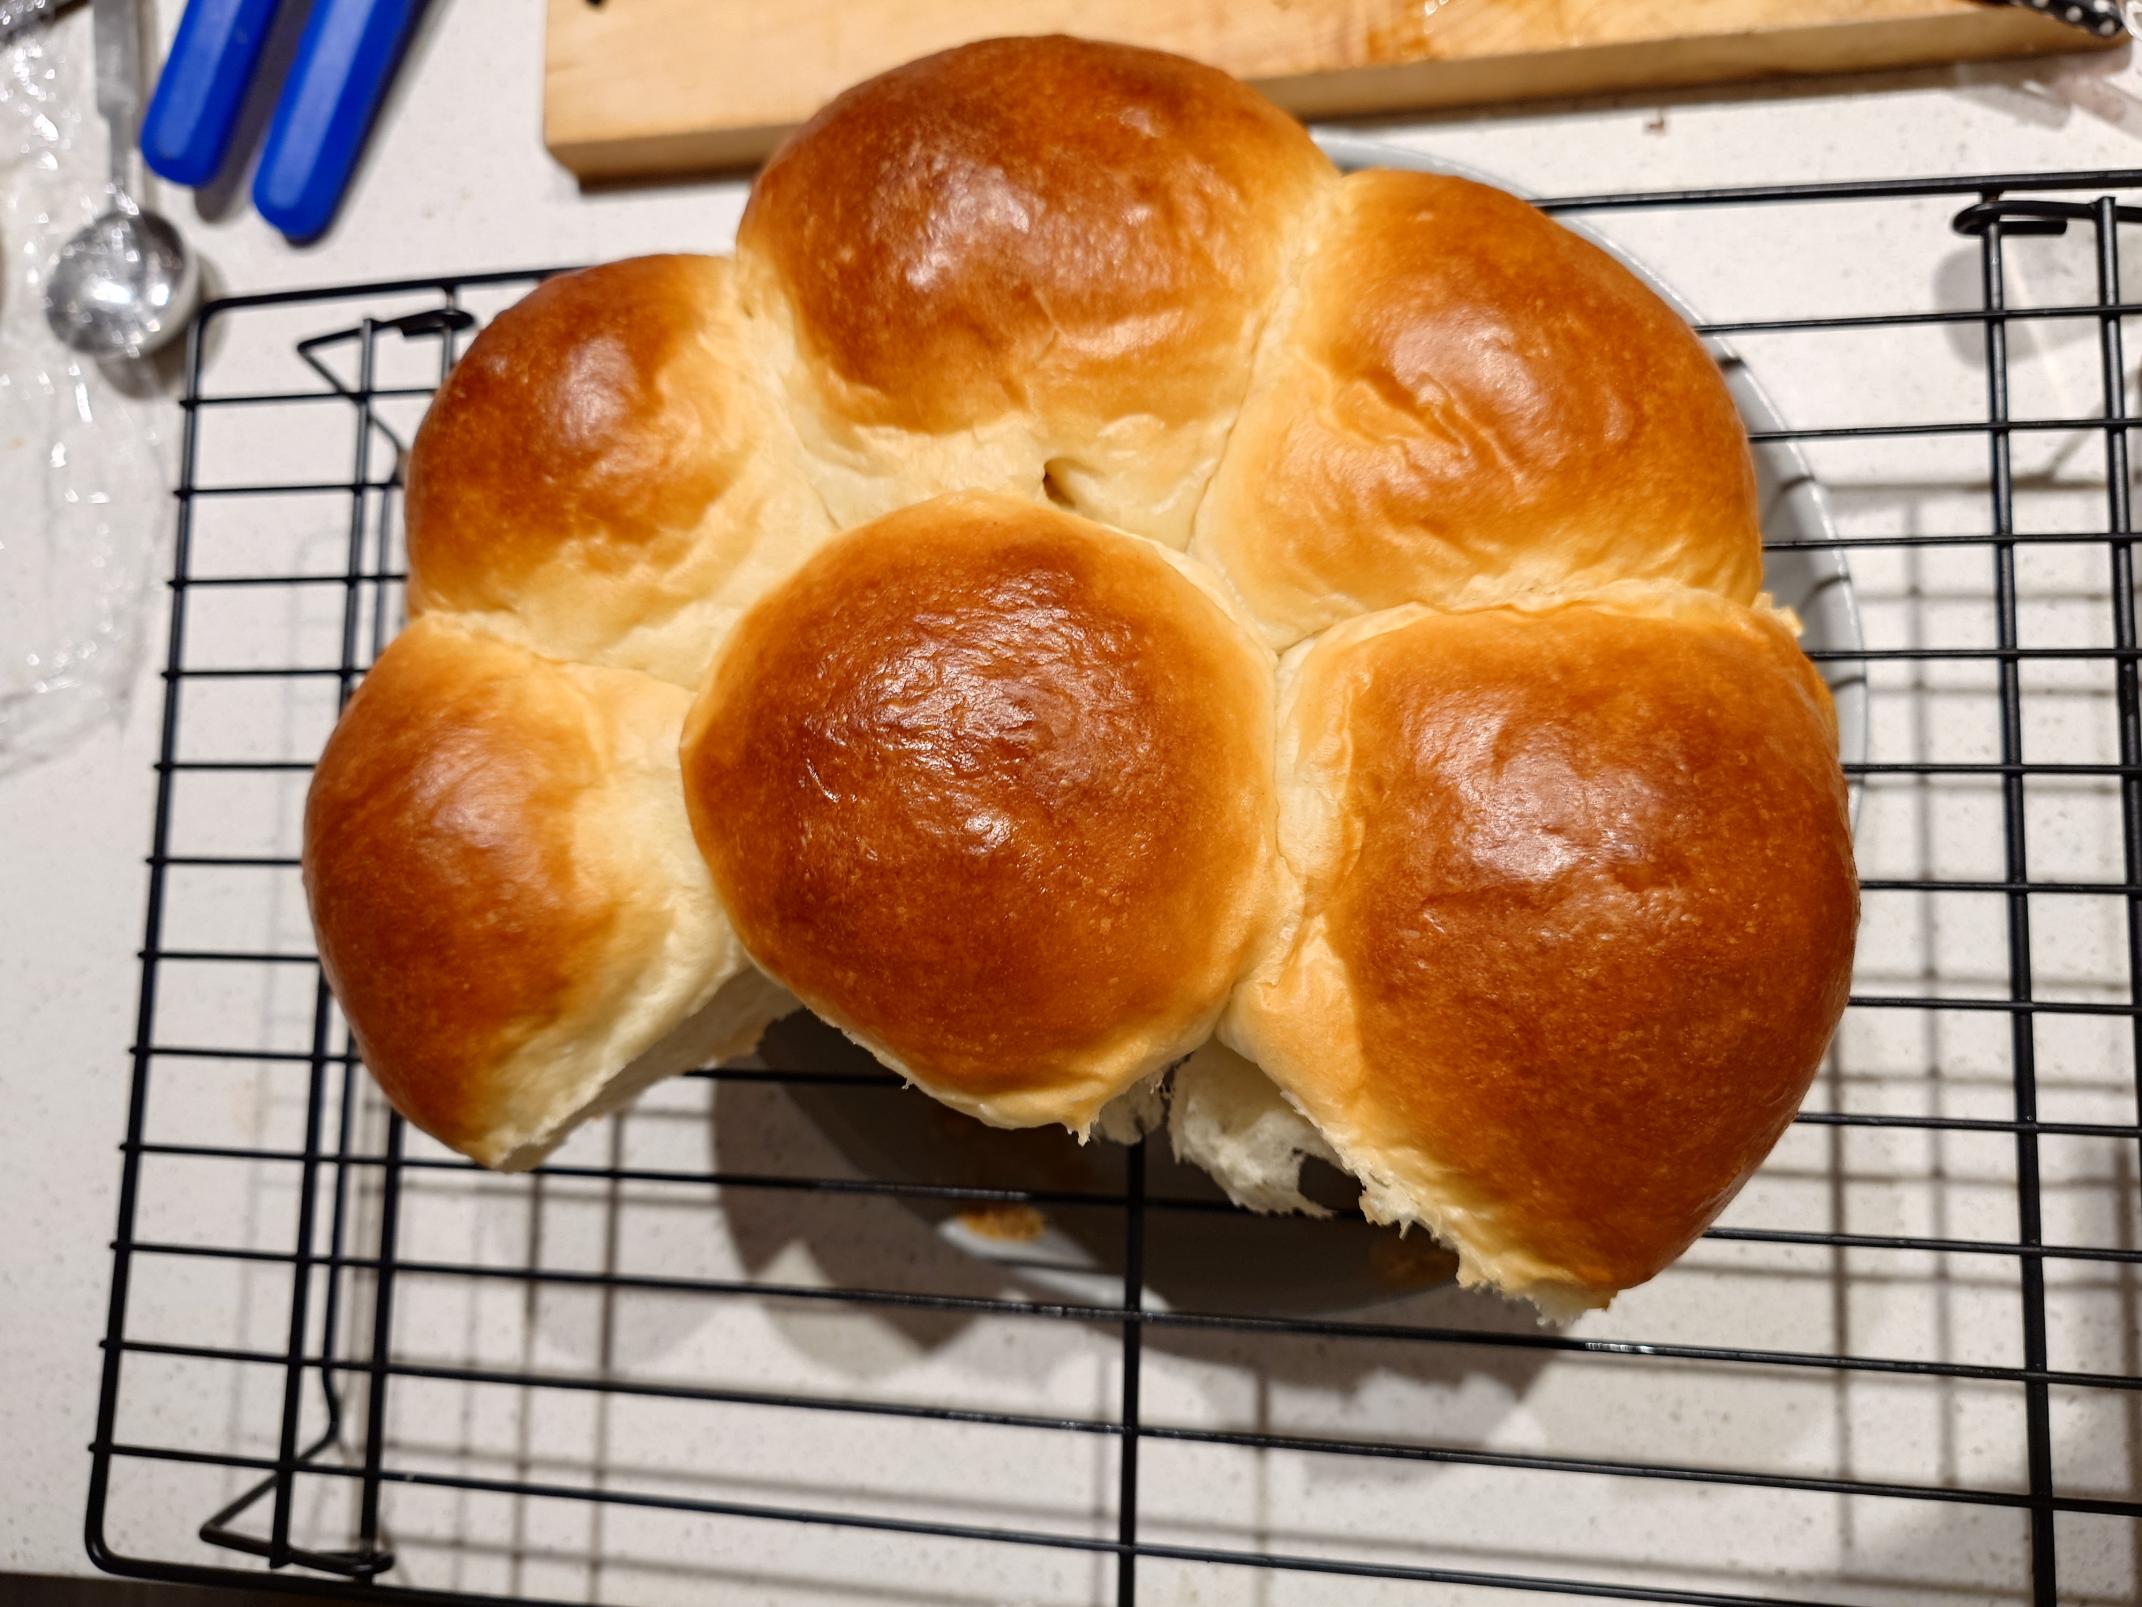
(988, 787)
(608, 475)
(507, 899)
(1461, 403)
(1032, 266)
(1573, 925)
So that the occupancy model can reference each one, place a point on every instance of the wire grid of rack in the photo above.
(703, 1348)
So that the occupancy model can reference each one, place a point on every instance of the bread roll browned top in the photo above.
(505, 893)
(605, 475)
(1029, 258)
(1464, 404)
(1575, 925)
(989, 787)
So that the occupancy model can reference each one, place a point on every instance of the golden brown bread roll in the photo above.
(507, 899)
(604, 476)
(1547, 905)
(1462, 404)
(989, 788)
(1573, 922)
(1028, 261)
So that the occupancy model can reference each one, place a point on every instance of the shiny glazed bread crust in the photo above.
(1037, 266)
(989, 787)
(1467, 404)
(507, 900)
(605, 475)
(1574, 920)
(1561, 904)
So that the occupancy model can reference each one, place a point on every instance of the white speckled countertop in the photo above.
(456, 180)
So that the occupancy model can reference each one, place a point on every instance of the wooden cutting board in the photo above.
(635, 87)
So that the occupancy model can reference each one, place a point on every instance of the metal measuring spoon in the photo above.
(126, 284)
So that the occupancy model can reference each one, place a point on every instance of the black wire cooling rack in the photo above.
(696, 1355)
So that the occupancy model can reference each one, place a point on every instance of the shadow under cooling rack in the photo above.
(706, 1349)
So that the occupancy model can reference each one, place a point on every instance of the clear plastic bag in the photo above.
(82, 513)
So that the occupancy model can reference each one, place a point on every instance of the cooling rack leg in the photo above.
(369, 1536)
(1133, 1350)
(2022, 1029)
(151, 945)
(2118, 525)
(323, 1004)
(375, 1415)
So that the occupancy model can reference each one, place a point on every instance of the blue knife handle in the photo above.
(343, 62)
(188, 128)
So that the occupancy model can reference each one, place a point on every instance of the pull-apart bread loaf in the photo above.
(886, 620)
